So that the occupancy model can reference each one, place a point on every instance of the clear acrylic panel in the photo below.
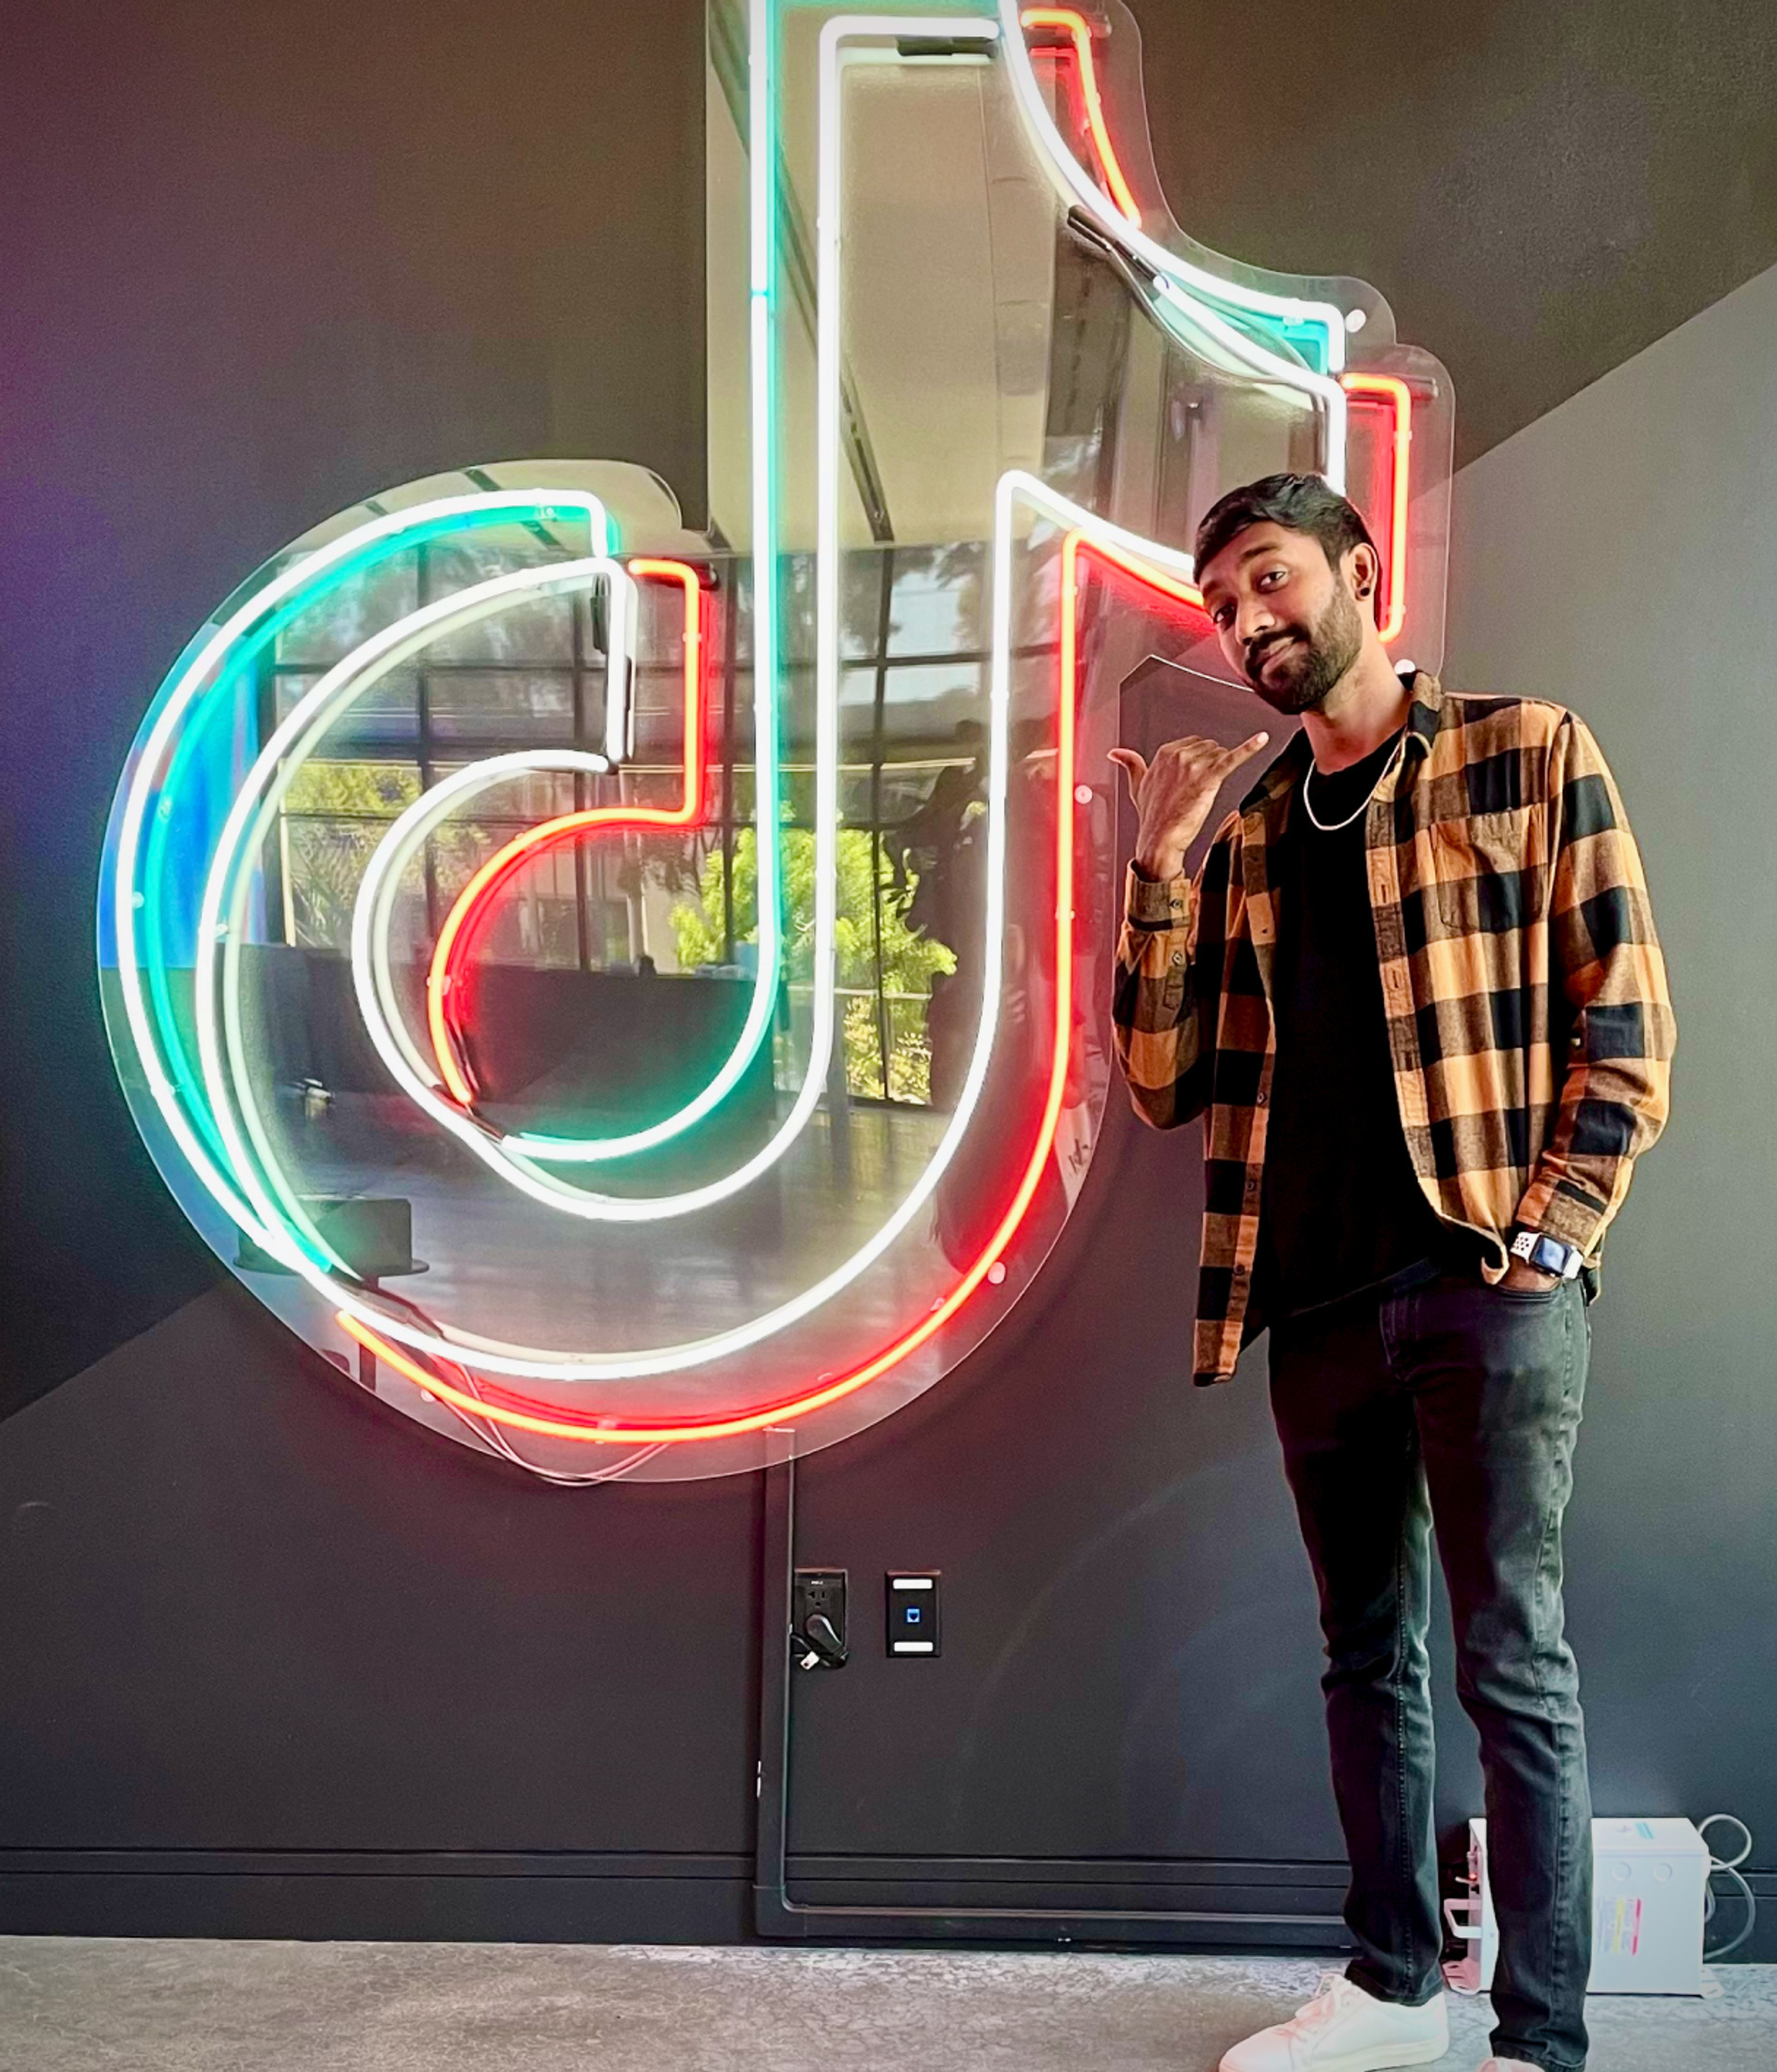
(639, 999)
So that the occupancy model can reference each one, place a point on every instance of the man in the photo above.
(1415, 992)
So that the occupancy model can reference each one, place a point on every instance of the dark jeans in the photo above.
(1455, 1401)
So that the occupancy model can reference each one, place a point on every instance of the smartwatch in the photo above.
(1548, 1254)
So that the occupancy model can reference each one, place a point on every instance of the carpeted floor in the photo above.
(74, 2005)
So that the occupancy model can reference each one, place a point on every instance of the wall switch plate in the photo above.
(817, 1618)
(913, 1621)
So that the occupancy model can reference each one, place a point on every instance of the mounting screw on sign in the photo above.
(913, 1624)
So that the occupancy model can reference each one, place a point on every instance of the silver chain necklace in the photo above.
(1333, 826)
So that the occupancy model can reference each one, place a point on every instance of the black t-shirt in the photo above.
(1342, 1210)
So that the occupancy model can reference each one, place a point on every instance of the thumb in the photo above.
(1134, 767)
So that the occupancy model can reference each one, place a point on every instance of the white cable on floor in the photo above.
(1727, 1866)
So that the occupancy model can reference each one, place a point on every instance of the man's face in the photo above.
(1288, 621)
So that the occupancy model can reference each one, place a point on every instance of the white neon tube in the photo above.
(619, 714)
(1013, 488)
(372, 977)
(761, 383)
(1292, 309)
(370, 925)
(275, 769)
(1182, 280)
(179, 697)
(496, 1356)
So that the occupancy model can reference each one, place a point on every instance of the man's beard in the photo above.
(1326, 651)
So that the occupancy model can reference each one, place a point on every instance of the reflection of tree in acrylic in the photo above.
(909, 960)
(334, 815)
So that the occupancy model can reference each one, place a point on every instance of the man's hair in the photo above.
(1298, 503)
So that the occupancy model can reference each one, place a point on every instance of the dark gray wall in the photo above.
(273, 1660)
(1540, 187)
(263, 262)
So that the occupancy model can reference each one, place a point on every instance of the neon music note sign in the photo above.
(728, 1188)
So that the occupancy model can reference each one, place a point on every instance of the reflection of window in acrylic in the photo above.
(351, 612)
(913, 725)
(939, 601)
(940, 874)
(517, 703)
(530, 677)
(387, 716)
(333, 816)
(912, 735)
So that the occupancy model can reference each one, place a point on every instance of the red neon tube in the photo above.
(1075, 27)
(525, 1414)
(1390, 388)
(1384, 387)
(455, 938)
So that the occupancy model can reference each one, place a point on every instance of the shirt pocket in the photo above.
(1486, 873)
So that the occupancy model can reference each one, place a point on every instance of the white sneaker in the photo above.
(1345, 2030)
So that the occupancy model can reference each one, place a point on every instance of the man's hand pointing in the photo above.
(1173, 793)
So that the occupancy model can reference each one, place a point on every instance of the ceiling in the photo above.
(948, 233)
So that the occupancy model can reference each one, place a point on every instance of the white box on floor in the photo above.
(1649, 1881)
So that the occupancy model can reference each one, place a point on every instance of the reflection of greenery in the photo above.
(327, 856)
(382, 789)
(336, 813)
(909, 961)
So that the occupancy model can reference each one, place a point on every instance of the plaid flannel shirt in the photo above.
(1524, 989)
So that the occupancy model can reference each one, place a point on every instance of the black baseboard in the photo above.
(397, 1897)
(568, 1897)
(541, 1896)
(1137, 1903)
